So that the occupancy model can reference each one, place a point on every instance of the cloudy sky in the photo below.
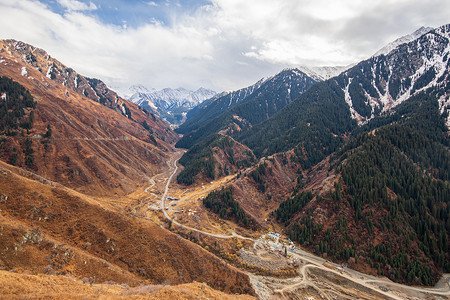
(217, 44)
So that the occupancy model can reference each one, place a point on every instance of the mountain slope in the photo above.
(382, 82)
(320, 118)
(53, 287)
(57, 231)
(92, 148)
(388, 212)
(315, 124)
(260, 104)
(215, 106)
(53, 69)
(402, 40)
(170, 104)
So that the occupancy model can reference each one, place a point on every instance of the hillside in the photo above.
(54, 230)
(91, 147)
(215, 106)
(215, 157)
(55, 287)
(388, 212)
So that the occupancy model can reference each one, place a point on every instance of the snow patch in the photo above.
(49, 72)
(324, 73)
(348, 99)
(24, 72)
(444, 105)
(387, 99)
(123, 109)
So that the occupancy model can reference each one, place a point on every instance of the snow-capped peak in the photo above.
(134, 89)
(404, 39)
(168, 101)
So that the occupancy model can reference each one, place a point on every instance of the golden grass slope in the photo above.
(13, 285)
(54, 230)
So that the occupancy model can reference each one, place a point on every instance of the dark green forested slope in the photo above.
(316, 122)
(390, 210)
(200, 159)
(315, 125)
(16, 107)
(222, 203)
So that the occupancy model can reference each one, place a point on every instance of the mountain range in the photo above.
(369, 89)
(236, 111)
(169, 104)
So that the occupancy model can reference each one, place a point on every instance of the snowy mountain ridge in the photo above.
(252, 105)
(168, 103)
(325, 72)
(402, 40)
(382, 82)
(168, 97)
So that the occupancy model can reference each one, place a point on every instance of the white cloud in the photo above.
(226, 45)
(74, 5)
(152, 3)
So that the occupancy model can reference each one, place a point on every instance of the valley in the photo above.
(317, 277)
(296, 187)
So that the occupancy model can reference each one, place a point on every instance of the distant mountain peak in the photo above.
(171, 104)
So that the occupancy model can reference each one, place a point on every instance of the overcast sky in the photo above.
(218, 44)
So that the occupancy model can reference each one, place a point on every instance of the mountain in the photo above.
(387, 211)
(373, 149)
(237, 111)
(53, 69)
(169, 104)
(72, 135)
(319, 120)
(382, 82)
